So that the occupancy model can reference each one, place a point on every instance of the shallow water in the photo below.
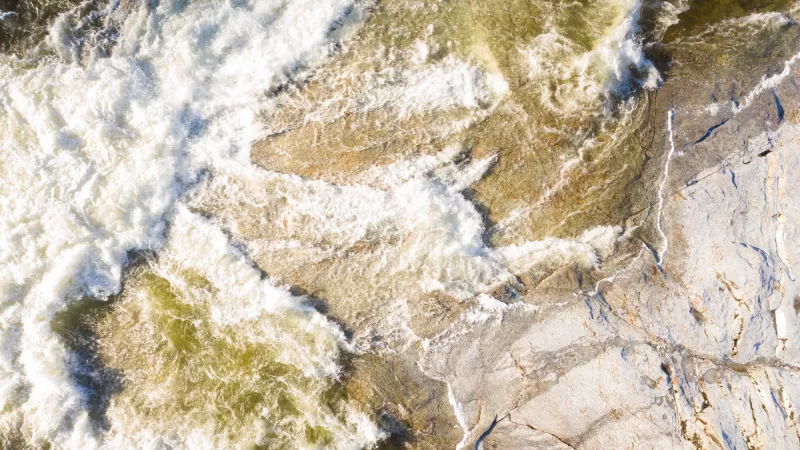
(214, 212)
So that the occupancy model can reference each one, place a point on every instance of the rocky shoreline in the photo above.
(684, 337)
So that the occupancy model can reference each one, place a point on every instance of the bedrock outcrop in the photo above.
(693, 341)
(652, 301)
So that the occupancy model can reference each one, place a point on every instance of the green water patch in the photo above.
(170, 368)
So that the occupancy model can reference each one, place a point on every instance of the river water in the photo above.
(166, 202)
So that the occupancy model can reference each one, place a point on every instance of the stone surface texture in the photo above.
(685, 333)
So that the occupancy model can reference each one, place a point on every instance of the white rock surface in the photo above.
(700, 351)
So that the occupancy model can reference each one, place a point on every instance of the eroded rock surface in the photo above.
(679, 330)
(692, 344)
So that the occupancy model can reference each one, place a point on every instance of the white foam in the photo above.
(766, 83)
(447, 84)
(668, 15)
(240, 306)
(753, 24)
(614, 66)
(775, 19)
(196, 243)
(94, 157)
(458, 411)
(489, 308)
(621, 51)
(662, 186)
(603, 239)
(424, 229)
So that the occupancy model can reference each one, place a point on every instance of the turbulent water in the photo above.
(150, 273)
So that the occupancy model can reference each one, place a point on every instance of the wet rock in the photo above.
(680, 334)
(698, 350)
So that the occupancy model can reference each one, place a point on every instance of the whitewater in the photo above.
(104, 150)
(99, 153)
